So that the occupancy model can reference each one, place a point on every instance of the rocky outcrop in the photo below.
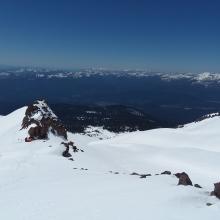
(216, 191)
(183, 179)
(69, 145)
(135, 174)
(40, 120)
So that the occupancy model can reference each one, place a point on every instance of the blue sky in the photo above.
(166, 35)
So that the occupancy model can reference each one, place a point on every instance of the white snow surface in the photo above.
(37, 183)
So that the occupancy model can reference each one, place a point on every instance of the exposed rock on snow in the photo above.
(216, 191)
(69, 144)
(40, 120)
(212, 115)
(197, 186)
(144, 175)
(135, 174)
(140, 175)
(166, 173)
(183, 179)
(66, 153)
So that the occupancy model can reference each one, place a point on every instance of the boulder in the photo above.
(197, 186)
(216, 191)
(66, 154)
(183, 179)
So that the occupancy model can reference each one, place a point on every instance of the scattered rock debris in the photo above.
(166, 173)
(69, 144)
(83, 168)
(183, 180)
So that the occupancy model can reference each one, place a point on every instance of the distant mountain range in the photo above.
(204, 78)
(174, 98)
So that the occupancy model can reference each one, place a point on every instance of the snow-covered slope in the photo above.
(36, 182)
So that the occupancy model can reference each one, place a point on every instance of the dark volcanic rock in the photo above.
(183, 179)
(177, 175)
(166, 173)
(197, 186)
(133, 174)
(66, 154)
(70, 144)
(144, 175)
(41, 120)
(216, 191)
(141, 175)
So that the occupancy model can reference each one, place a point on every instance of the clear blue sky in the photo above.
(178, 35)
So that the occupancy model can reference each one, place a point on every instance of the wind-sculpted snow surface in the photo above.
(36, 182)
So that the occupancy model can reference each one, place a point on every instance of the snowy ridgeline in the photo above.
(36, 182)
